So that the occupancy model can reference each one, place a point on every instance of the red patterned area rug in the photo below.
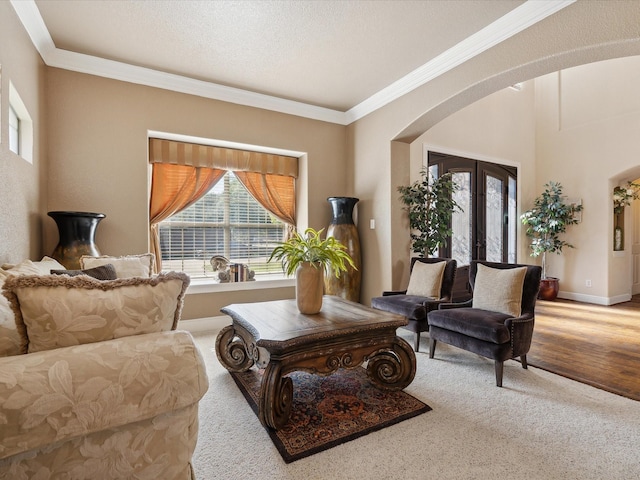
(328, 411)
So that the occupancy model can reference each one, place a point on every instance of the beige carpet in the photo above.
(538, 426)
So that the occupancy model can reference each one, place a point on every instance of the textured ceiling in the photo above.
(328, 53)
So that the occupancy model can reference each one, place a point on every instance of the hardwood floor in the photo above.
(594, 344)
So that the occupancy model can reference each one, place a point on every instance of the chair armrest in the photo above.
(521, 330)
(394, 292)
(433, 304)
(445, 306)
(59, 394)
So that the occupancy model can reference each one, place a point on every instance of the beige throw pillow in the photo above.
(126, 266)
(426, 279)
(499, 290)
(57, 310)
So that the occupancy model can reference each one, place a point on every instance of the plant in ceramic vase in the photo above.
(546, 221)
(308, 256)
(430, 205)
(622, 197)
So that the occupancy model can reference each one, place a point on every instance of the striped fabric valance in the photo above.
(195, 155)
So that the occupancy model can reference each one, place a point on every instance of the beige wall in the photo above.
(98, 157)
(578, 127)
(581, 33)
(588, 125)
(97, 149)
(500, 128)
(22, 189)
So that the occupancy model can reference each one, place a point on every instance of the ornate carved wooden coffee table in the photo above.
(277, 337)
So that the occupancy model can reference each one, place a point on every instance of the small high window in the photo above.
(20, 126)
(14, 131)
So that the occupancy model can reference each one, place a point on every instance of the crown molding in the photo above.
(522, 17)
(517, 20)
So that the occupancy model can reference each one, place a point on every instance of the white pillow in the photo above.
(426, 279)
(47, 264)
(499, 290)
(126, 266)
(27, 267)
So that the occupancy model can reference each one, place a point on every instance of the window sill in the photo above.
(209, 286)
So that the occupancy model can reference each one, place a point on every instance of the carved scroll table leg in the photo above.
(394, 368)
(232, 350)
(276, 397)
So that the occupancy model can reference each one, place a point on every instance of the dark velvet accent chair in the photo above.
(495, 335)
(415, 308)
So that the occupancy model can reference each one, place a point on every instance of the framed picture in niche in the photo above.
(575, 202)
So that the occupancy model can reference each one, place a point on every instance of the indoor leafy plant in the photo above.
(546, 221)
(308, 256)
(430, 205)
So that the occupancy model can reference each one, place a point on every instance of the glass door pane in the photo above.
(494, 218)
(513, 221)
(462, 221)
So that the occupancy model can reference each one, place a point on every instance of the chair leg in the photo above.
(432, 347)
(416, 342)
(499, 370)
(523, 360)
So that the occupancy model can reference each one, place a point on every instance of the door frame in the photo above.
(479, 170)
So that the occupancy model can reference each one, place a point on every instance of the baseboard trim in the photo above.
(580, 297)
(204, 324)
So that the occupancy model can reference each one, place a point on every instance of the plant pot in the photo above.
(549, 288)
(309, 288)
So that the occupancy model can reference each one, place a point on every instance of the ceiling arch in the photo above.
(531, 70)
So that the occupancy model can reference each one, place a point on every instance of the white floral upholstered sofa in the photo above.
(95, 382)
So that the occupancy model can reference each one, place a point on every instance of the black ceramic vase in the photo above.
(342, 228)
(77, 231)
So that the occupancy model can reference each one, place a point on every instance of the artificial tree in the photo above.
(546, 222)
(430, 205)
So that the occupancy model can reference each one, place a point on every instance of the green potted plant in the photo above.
(430, 205)
(308, 256)
(546, 221)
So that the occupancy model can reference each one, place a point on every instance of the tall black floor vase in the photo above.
(77, 231)
(342, 228)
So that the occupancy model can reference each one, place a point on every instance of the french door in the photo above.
(486, 227)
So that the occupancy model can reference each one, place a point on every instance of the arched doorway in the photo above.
(382, 143)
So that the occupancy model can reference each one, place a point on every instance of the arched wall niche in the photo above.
(624, 265)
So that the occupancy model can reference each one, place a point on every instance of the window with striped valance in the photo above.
(183, 173)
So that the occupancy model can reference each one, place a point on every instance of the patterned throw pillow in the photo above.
(127, 266)
(499, 290)
(426, 279)
(57, 310)
(103, 272)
